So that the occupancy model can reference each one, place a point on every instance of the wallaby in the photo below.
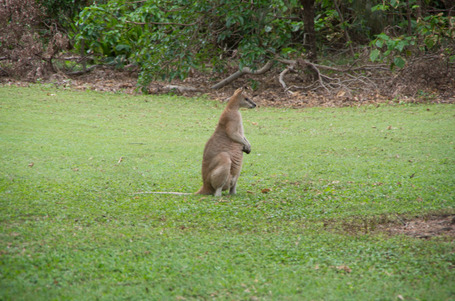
(223, 152)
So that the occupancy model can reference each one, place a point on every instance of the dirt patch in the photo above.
(422, 227)
(384, 88)
(422, 81)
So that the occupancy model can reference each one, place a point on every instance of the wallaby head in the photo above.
(241, 99)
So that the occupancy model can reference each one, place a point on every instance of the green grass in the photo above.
(73, 226)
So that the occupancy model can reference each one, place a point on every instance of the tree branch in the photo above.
(240, 73)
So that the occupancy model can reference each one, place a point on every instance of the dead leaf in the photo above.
(266, 190)
(344, 268)
(341, 94)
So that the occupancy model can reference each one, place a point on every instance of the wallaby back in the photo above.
(223, 152)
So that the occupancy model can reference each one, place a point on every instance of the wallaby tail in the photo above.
(203, 190)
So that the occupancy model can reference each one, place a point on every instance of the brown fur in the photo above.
(223, 152)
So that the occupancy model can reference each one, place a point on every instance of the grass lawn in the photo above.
(76, 225)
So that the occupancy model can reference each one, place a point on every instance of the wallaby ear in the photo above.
(238, 91)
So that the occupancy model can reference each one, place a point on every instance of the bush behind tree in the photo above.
(169, 38)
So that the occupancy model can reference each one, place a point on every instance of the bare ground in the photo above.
(423, 227)
(386, 88)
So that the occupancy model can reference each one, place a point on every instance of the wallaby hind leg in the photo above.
(219, 176)
(233, 188)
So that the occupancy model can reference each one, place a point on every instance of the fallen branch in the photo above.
(181, 89)
(86, 70)
(74, 58)
(240, 73)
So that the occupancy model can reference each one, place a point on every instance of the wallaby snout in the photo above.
(245, 102)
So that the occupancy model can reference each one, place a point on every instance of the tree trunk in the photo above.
(408, 16)
(345, 30)
(419, 9)
(309, 33)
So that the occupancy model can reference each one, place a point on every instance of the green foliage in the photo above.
(62, 12)
(169, 38)
(394, 48)
(72, 226)
(433, 33)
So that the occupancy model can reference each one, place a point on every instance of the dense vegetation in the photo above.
(172, 38)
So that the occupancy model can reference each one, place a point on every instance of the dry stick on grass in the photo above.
(164, 192)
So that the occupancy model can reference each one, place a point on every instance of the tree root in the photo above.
(353, 78)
